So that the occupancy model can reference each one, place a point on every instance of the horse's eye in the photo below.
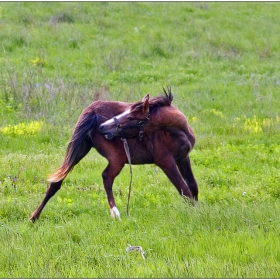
(130, 118)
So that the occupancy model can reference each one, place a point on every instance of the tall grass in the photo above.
(222, 62)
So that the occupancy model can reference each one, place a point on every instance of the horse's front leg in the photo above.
(169, 167)
(109, 174)
(184, 166)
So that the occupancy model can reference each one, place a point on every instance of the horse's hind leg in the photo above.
(52, 189)
(184, 166)
(55, 186)
(109, 174)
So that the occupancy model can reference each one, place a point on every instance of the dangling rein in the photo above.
(126, 148)
(127, 152)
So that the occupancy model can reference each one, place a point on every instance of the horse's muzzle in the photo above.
(107, 134)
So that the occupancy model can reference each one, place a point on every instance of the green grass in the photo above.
(222, 61)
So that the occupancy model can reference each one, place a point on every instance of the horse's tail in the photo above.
(84, 125)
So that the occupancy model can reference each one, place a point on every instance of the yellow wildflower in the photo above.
(217, 113)
(22, 129)
(193, 119)
(252, 125)
(38, 62)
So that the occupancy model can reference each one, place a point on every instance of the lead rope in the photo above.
(126, 148)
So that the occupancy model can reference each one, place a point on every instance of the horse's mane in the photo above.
(163, 100)
(159, 101)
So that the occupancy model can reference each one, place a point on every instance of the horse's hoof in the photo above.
(33, 217)
(115, 213)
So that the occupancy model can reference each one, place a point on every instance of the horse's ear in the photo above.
(146, 103)
(146, 97)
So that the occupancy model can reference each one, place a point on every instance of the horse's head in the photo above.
(130, 123)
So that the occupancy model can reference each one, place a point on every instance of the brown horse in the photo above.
(156, 132)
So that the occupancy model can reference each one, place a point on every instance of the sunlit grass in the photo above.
(222, 61)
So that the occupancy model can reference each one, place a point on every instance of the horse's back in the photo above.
(107, 109)
(170, 117)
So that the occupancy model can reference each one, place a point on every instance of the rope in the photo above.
(137, 248)
(126, 148)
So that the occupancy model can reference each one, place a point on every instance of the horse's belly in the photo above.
(141, 158)
(140, 152)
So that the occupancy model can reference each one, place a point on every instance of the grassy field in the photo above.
(222, 61)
